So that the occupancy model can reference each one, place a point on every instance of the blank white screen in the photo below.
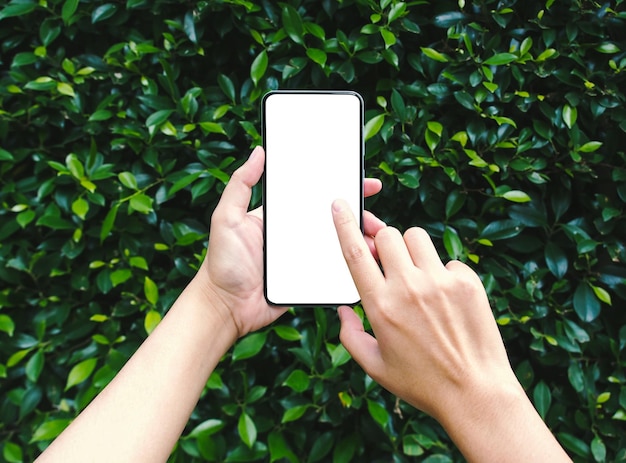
(313, 156)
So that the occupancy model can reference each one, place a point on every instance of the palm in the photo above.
(235, 265)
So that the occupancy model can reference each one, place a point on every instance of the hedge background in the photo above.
(497, 125)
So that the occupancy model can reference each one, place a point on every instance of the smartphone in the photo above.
(314, 147)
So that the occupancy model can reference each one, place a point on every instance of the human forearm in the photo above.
(153, 396)
(497, 422)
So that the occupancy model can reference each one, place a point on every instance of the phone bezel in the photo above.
(264, 184)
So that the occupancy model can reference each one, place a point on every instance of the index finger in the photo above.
(363, 267)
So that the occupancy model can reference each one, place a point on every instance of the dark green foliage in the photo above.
(496, 125)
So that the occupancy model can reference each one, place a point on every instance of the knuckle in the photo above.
(344, 219)
(354, 252)
(416, 233)
(465, 279)
(386, 234)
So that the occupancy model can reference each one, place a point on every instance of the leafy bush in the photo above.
(496, 125)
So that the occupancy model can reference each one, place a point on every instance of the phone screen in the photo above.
(314, 154)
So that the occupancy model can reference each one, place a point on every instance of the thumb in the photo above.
(362, 346)
(238, 191)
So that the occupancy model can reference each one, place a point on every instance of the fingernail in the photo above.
(338, 205)
(254, 151)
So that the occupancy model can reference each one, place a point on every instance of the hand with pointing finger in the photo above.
(436, 345)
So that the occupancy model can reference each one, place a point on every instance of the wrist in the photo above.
(496, 410)
(213, 308)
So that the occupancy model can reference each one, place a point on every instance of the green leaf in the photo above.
(68, 10)
(516, 196)
(80, 372)
(120, 276)
(247, 429)
(435, 127)
(608, 48)
(48, 430)
(397, 103)
(279, 449)
(158, 118)
(501, 229)
(318, 56)
(259, 66)
(598, 449)
(189, 27)
(212, 127)
(542, 398)
(574, 444)
(151, 320)
(5, 155)
(41, 84)
(34, 366)
(431, 139)
(80, 207)
(586, 305)
(150, 290)
(17, 9)
(287, 333)
(373, 126)
(168, 129)
(435, 55)
(378, 412)
(292, 22)
(109, 221)
(396, 11)
(388, 37)
(75, 166)
(570, 115)
(184, 182)
(48, 32)
(103, 12)
(547, 54)
(346, 71)
(138, 262)
(454, 203)
(590, 147)
(101, 115)
(321, 447)
(141, 203)
(452, 243)
(206, 428)
(65, 89)
(345, 449)
(556, 260)
(297, 380)
(602, 294)
(227, 86)
(338, 355)
(410, 179)
(17, 357)
(576, 377)
(294, 413)
(411, 445)
(501, 59)
(12, 453)
(6, 324)
(249, 346)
